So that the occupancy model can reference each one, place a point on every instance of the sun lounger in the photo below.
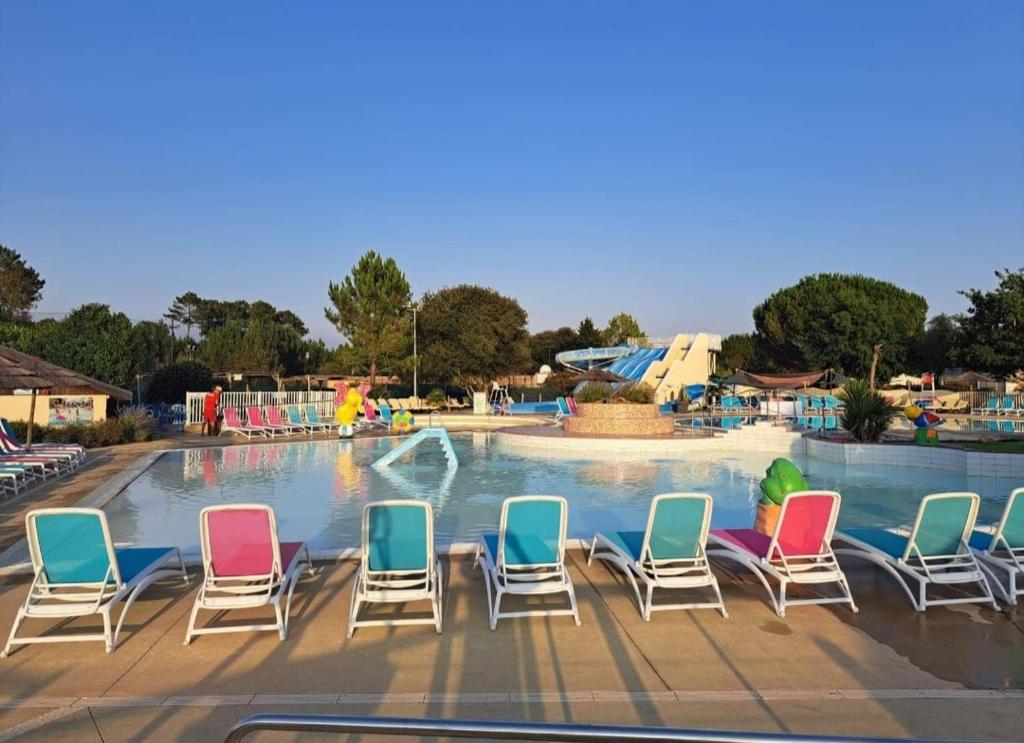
(275, 421)
(294, 417)
(79, 572)
(571, 402)
(255, 416)
(992, 406)
(526, 557)
(68, 459)
(398, 563)
(234, 424)
(668, 554)
(385, 415)
(799, 551)
(564, 411)
(373, 419)
(245, 567)
(1000, 549)
(313, 418)
(76, 449)
(933, 553)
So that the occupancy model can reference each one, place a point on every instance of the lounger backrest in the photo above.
(369, 412)
(239, 540)
(677, 526)
(274, 416)
(231, 418)
(385, 412)
(571, 402)
(806, 523)
(5, 425)
(312, 416)
(398, 536)
(563, 406)
(1011, 525)
(532, 531)
(255, 415)
(294, 416)
(71, 546)
(944, 521)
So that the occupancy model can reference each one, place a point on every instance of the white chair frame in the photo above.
(397, 586)
(1012, 564)
(223, 593)
(526, 580)
(668, 574)
(69, 600)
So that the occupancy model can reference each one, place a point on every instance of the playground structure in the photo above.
(667, 365)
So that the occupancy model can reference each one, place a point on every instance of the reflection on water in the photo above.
(319, 488)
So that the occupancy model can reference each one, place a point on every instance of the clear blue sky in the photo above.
(675, 160)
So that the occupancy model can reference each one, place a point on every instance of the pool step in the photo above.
(440, 434)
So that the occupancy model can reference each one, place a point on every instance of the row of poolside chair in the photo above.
(1000, 406)
(566, 407)
(21, 467)
(818, 402)
(289, 420)
(78, 570)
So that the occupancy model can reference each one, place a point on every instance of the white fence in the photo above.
(323, 400)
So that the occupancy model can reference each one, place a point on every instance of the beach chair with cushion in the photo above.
(398, 563)
(668, 554)
(799, 551)
(526, 557)
(234, 424)
(1000, 548)
(313, 419)
(932, 553)
(246, 567)
(77, 450)
(79, 572)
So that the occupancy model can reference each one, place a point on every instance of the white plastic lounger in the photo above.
(245, 566)
(933, 552)
(799, 551)
(78, 572)
(669, 553)
(527, 556)
(398, 563)
(1001, 548)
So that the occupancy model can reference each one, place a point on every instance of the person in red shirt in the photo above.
(210, 421)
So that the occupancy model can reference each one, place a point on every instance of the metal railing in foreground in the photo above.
(501, 730)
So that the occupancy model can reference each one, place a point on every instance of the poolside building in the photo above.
(70, 397)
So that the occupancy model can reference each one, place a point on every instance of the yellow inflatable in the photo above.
(346, 413)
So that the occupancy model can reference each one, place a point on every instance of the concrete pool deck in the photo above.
(954, 673)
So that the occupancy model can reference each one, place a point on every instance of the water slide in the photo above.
(584, 358)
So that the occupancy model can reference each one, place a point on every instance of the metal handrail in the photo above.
(494, 729)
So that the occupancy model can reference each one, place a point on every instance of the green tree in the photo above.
(737, 352)
(152, 345)
(20, 287)
(588, 335)
(835, 321)
(170, 383)
(369, 307)
(993, 327)
(545, 345)
(470, 335)
(91, 340)
(933, 350)
(260, 346)
(183, 311)
(621, 328)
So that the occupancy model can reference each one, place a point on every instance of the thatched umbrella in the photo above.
(595, 374)
(13, 377)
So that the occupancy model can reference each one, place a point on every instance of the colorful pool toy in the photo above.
(345, 414)
(922, 418)
(781, 478)
(403, 421)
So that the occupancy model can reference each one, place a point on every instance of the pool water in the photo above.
(318, 489)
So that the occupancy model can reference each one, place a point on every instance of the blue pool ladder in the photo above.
(423, 434)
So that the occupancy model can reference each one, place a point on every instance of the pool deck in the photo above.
(954, 673)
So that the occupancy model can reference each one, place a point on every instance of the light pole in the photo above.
(415, 357)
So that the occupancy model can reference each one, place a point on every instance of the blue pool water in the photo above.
(318, 489)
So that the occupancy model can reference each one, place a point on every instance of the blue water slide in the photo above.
(587, 357)
(634, 366)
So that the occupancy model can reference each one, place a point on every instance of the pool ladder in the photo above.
(431, 432)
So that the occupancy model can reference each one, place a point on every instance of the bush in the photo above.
(131, 426)
(637, 394)
(436, 397)
(171, 382)
(594, 392)
(867, 415)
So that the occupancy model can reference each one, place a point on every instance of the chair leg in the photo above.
(353, 608)
(648, 603)
(572, 601)
(282, 621)
(718, 593)
(439, 596)
(108, 636)
(14, 631)
(497, 607)
(192, 618)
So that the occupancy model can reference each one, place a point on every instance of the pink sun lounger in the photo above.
(800, 550)
(245, 567)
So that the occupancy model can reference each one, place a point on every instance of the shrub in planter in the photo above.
(436, 397)
(866, 414)
(594, 392)
(637, 394)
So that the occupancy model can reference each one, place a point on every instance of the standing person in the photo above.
(210, 403)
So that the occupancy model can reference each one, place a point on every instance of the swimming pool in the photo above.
(319, 488)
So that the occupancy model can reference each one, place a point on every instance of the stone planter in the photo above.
(618, 420)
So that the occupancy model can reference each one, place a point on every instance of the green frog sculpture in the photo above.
(781, 478)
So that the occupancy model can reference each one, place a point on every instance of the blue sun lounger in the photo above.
(79, 572)
(1001, 548)
(933, 553)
